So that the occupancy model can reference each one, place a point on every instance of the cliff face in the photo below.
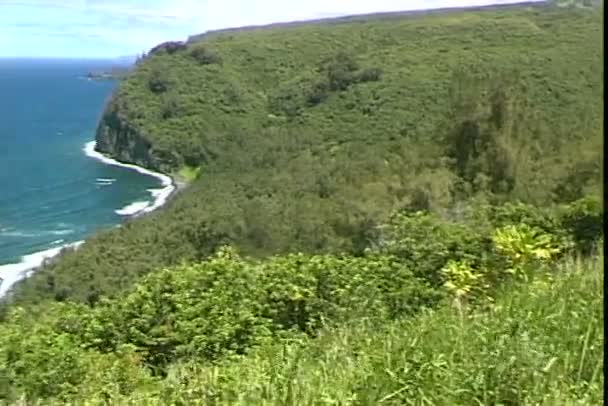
(120, 140)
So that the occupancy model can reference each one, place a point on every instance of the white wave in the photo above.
(155, 192)
(18, 234)
(104, 181)
(61, 232)
(12, 273)
(160, 195)
(34, 233)
(133, 209)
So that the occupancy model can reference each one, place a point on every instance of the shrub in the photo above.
(205, 56)
(170, 47)
(426, 243)
(159, 81)
(584, 221)
(525, 248)
(340, 79)
(170, 107)
(341, 71)
(318, 94)
(370, 75)
(288, 102)
(461, 278)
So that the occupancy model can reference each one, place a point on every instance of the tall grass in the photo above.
(539, 343)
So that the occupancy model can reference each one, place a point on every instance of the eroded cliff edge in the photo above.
(119, 139)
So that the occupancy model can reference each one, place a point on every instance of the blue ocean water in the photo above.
(51, 193)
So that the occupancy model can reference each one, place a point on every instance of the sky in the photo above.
(113, 28)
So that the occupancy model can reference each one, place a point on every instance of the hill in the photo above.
(373, 16)
(306, 138)
(299, 329)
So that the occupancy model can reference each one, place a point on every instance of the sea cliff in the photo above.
(117, 138)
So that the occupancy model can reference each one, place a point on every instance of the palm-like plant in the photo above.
(523, 246)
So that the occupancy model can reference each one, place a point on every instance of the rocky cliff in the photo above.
(117, 138)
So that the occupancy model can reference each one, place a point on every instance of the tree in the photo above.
(483, 130)
(171, 107)
(341, 71)
(159, 81)
(205, 56)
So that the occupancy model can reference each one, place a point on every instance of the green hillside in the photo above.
(397, 209)
(491, 310)
(503, 306)
(306, 138)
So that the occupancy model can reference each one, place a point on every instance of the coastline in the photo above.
(11, 274)
(160, 196)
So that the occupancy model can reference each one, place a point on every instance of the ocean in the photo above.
(55, 190)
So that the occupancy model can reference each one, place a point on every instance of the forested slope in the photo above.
(498, 308)
(309, 137)
(397, 209)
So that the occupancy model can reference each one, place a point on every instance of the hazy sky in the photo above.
(109, 28)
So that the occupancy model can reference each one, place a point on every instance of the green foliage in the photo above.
(517, 353)
(370, 75)
(428, 244)
(318, 94)
(365, 179)
(525, 248)
(514, 352)
(222, 313)
(43, 358)
(159, 81)
(584, 220)
(170, 107)
(162, 317)
(189, 174)
(291, 167)
(205, 56)
(486, 122)
(461, 278)
(340, 71)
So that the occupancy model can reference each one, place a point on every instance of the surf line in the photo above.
(11, 274)
(160, 196)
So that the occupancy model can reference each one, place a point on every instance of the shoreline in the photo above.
(11, 274)
(160, 196)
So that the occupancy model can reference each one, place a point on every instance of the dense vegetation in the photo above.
(309, 137)
(384, 210)
(490, 310)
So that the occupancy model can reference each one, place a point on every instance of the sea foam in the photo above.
(13, 273)
(104, 182)
(133, 209)
(160, 196)
(34, 233)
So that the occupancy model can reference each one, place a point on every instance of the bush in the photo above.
(159, 81)
(288, 102)
(520, 213)
(526, 249)
(170, 47)
(318, 94)
(171, 107)
(341, 72)
(340, 79)
(584, 221)
(205, 56)
(426, 243)
(370, 75)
